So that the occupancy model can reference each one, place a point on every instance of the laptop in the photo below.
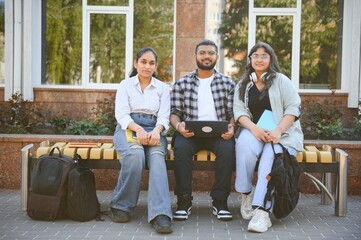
(211, 129)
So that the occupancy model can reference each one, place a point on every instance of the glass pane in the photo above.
(153, 27)
(277, 31)
(213, 19)
(319, 44)
(275, 3)
(109, 2)
(2, 41)
(63, 41)
(234, 38)
(107, 48)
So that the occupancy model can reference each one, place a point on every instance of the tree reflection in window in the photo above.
(153, 26)
(63, 41)
(320, 34)
(154, 22)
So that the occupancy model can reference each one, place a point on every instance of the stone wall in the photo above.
(10, 164)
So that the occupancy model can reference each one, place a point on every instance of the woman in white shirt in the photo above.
(142, 105)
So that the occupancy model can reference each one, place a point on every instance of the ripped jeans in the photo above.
(134, 158)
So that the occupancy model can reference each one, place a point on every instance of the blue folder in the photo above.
(267, 121)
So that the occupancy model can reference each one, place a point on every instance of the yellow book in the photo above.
(132, 136)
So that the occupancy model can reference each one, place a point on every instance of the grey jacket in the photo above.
(284, 100)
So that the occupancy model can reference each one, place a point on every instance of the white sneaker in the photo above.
(246, 209)
(260, 222)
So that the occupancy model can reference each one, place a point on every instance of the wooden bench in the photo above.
(103, 156)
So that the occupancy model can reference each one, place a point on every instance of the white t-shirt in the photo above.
(206, 110)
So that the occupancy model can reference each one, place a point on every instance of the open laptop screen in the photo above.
(207, 128)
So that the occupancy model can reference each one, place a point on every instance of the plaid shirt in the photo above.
(184, 97)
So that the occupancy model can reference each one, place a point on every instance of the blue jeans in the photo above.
(248, 151)
(185, 148)
(134, 158)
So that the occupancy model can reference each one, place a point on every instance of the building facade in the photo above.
(66, 55)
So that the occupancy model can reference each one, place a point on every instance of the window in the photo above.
(318, 65)
(91, 43)
(2, 42)
(154, 27)
(63, 42)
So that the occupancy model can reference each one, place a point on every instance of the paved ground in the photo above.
(309, 220)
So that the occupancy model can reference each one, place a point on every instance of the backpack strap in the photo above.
(270, 187)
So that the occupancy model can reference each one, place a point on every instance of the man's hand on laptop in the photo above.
(228, 135)
(182, 130)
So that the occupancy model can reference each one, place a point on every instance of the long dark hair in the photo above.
(271, 73)
(140, 53)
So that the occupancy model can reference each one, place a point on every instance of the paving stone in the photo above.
(310, 220)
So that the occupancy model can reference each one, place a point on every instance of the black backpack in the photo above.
(83, 204)
(47, 199)
(282, 188)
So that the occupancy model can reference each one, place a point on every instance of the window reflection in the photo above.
(153, 26)
(275, 3)
(63, 42)
(2, 41)
(277, 31)
(234, 38)
(107, 48)
(320, 45)
(109, 2)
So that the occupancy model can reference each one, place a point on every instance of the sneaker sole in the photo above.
(253, 229)
(163, 229)
(222, 217)
(257, 230)
(181, 217)
(118, 220)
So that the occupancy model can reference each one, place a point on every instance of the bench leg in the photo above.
(341, 191)
(320, 186)
(326, 179)
(25, 152)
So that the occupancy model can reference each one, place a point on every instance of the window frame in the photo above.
(295, 13)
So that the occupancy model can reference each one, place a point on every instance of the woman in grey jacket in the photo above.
(263, 88)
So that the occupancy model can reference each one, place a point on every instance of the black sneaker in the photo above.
(162, 224)
(184, 207)
(220, 209)
(118, 216)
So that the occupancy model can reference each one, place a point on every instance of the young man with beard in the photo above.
(203, 94)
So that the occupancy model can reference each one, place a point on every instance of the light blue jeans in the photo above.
(134, 158)
(248, 151)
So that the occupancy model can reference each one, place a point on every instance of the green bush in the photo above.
(86, 127)
(330, 131)
(60, 124)
(18, 117)
(104, 115)
(321, 120)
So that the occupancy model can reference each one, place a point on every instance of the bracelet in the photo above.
(160, 128)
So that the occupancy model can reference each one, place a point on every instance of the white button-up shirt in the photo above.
(155, 100)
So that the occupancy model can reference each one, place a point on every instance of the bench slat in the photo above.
(322, 156)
